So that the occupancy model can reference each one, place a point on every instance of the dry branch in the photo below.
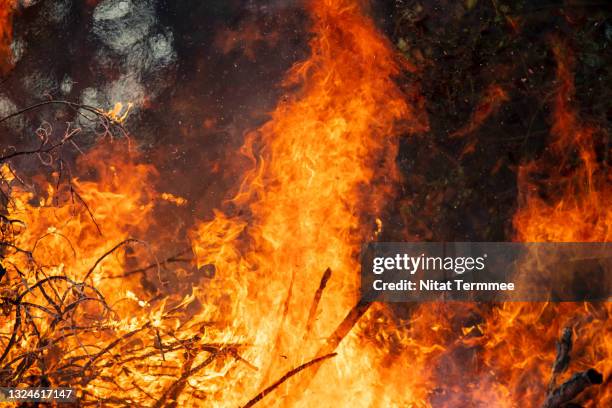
(564, 348)
(284, 378)
(312, 313)
(562, 395)
(332, 342)
(61, 330)
(570, 389)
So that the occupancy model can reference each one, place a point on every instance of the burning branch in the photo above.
(562, 395)
(570, 389)
(564, 348)
(312, 313)
(63, 325)
(107, 119)
(285, 377)
(49, 152)
(109, 252)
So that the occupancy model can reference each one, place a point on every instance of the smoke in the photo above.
(137, 46)
(96, 53)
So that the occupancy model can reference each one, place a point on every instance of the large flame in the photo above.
(323, 169)
(571, 205)
(501, 355)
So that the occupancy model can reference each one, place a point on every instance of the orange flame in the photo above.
(501, 355)
(62, 235)
(324, 165)
(279, 264)
(7, 7)
(521, 337)
(488, 105)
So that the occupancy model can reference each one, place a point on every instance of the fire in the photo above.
(74, 294)
(7, 7)
(118, 113)
(60, 235)
(501, 355)
(489, 104)
(279, 265)
(275, 317)
(579, 212)
(323, 169)
(521, 336)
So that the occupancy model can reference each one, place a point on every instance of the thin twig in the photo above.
(285, 377)
(312, 313)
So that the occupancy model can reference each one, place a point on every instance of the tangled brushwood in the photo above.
(69, 277)
(64, 318)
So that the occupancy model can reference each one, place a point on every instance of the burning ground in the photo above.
(186, 190)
